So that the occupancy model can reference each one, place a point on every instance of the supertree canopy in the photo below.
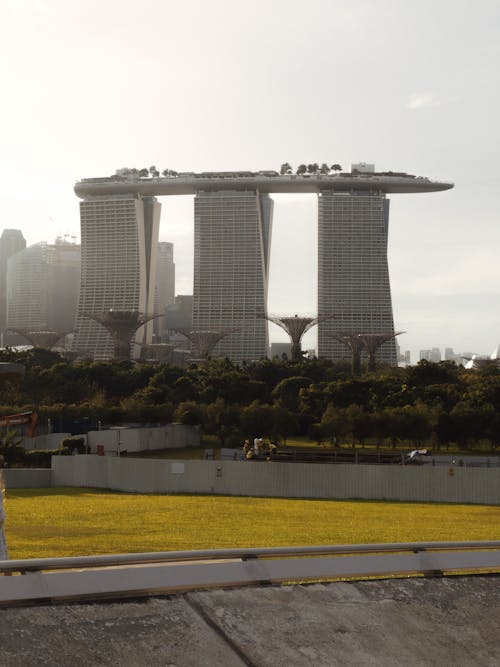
(373, 341)
(203, 341)
(39, 338)
(296, 327)
(122, 325)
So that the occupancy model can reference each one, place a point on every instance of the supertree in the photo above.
(122, 325)
(476, 362)
(203, 341)
(296, 327)
(373, 341)
(355, 345)
(39, 338)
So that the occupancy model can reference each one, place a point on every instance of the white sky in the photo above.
(93, 85)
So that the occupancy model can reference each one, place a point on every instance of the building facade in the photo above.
(232, 234)
(119, 241)
(164, 286)
(43, 283)
(353, 272)
(11, 242)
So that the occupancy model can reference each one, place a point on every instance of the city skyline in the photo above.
(431, 109)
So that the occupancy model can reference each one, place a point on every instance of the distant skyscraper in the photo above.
(119, 241)
(164, 284)
(435, 355)
(42, 286)
(232, 232)
(353, 274)
(11, 241)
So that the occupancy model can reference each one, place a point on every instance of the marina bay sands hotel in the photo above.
(233, 211)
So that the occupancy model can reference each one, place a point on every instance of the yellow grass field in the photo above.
(77, 522)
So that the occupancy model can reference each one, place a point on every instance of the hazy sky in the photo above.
(93, 85)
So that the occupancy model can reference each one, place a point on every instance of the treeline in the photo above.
(429, 403)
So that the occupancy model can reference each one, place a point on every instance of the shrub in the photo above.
(71, 445)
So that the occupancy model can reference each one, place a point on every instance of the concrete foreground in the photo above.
(450, 621)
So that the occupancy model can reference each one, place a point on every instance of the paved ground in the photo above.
(450, 621)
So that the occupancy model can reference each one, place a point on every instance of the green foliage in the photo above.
(10, 447)
(441, 402)
(72, 445)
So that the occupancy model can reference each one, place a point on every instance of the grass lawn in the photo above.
(78, 522)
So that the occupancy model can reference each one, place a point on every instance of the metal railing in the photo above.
(142, 574)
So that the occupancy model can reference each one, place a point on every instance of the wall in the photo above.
(289, 480)
(50, 441)
(170, 436)
(27, 478)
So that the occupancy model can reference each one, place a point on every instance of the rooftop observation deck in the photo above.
(263, 182)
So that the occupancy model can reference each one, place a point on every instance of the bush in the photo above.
(71, 445)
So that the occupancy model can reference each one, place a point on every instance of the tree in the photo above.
(313, 168)
(333, 423)
(336, 167)
(324, 169)
(285, 423)
(189, 412)
(287, 391)
(301, 169)
(224, 420)
(257, 420)
(316, 432)
(285, 169)
(10, 447)
(144, 172)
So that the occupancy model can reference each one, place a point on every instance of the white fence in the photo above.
(285, 480)
(141, 439)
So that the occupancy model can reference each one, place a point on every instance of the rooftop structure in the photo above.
(263, 181)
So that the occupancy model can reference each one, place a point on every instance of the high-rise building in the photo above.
(232, 232)
(119, 240)
(43, 281)
(233, 214)
(435, 355)
(353, 273)
(164, 285)
(11, 241)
